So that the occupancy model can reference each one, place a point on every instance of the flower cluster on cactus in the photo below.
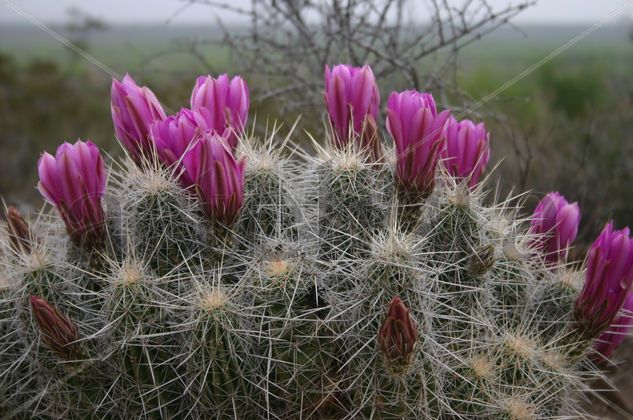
(220, 277)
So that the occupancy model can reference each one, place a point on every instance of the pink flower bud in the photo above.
(467, 150)
(352, 97)
(418, 133)
(217, 178)
(74, 181)
(607, 282)
(134, 109)
(174, 135)
(611, 339)
(555, 222)
(224, 104)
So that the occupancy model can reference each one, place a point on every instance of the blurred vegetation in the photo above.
(41, 104)
(567, 127)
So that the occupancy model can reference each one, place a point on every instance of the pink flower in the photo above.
(74, 181)
(467, 150)
(352, 99)
(134, 109)
(173, 135)
(418, 133)
(607, 282)
(217, 178)
(224, 104)
(611, 339)
(555, 222)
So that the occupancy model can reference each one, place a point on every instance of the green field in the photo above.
(126, 48)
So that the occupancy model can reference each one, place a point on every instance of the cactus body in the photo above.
(280, 315)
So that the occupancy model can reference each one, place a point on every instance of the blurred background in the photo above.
(551, 79)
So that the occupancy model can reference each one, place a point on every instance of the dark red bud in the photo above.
(59, 332)
(398, 336)
(18, 230)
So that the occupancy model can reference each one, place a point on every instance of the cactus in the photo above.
(343, 285)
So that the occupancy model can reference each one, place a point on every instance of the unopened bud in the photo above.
(398, 337)
(482, 260)
(18, 230)
(59, 332)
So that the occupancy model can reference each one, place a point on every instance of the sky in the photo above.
(158, 11)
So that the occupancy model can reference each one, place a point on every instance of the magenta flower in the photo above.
(398, 336)
(467, 150)
(74, 181)
(351, 97)
(134, 109)
(173, 135)
(217, 178)
(611, 339)
(59, 332)
(607, 282)
(224, 103)
(418, 133)
(555, 222)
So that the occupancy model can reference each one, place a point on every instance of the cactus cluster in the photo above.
(212, 274)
